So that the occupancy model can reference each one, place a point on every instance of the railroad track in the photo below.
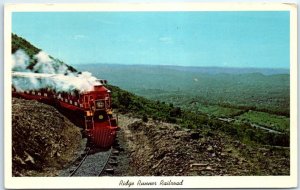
(108, 169)
(92, 163)
(112, 162)
(83, 159)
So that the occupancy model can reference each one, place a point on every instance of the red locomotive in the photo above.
(91, 108)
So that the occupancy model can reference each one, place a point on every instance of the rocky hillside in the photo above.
(43, 140)
(164, 149)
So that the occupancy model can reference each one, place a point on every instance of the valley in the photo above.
(248, 96)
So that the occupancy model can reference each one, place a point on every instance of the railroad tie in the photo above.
(109, 170)
(114, 163)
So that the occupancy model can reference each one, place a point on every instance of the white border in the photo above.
(191, 6)
(189, 182)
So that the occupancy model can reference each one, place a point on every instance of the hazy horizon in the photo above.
(191, 66)
(127, 69)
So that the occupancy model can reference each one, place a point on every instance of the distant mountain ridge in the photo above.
(266, 89)
(194, 69)
(137, 78)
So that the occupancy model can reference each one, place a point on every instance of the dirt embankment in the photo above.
(43, 140)
(166, 149)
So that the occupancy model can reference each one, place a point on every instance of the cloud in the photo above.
(224, 63)
(141, 40)
(79, 36)
(166, 40)
(108, 22)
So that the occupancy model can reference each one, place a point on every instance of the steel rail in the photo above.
(105, 164)
(83, 159)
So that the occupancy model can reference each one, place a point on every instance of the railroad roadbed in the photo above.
(90, 163)
(95, 162)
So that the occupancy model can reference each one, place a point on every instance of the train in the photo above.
(90, 109)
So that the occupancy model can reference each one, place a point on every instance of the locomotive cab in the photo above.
(101, 98)
(99, 118)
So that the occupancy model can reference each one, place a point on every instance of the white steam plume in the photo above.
(44, 63)
(20, 61)
(48, 73)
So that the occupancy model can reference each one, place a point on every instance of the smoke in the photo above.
(20, 61)
(43, 57)
(45, 64)
(47, 73)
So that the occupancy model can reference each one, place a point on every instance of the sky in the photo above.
(224, 39)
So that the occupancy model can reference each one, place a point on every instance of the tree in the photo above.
(124, 99)
(175, 112)
(145, 118)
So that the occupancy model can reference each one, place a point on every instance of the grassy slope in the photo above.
(279, 123)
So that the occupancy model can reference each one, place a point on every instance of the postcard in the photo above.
(150, 95)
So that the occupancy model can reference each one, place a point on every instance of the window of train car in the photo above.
(100, 104)
(107, 103)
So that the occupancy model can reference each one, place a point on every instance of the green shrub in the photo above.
(145, 118)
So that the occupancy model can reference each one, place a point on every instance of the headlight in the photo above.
(100, 104)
